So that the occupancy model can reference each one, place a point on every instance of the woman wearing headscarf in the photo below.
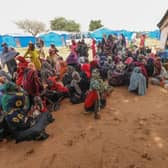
(53, 93)
(41, 49)
(53, 57)
(22, 65)
(108, 66)
(108, 48)
(85, 81)
(162, 79)
(46, 70)
(33, 54)
(53, 51)
(142, 65)
(72, 60)
(67, 77)
(31, 82)
(137, 82)
(73, 47)
(96, 97)
(157, 66)
(76, 94)
(11, 63)
(86, 67)
(63, 67)
(93, 47)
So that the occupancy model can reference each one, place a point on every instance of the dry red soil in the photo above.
(132, 133)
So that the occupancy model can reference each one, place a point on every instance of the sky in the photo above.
(132, 15)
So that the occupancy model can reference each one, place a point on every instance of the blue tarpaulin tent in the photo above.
(51, 38)
(127, 34)
(154, 34)
(17, 40)
(9, 40)
(23, 41)
(98, 34)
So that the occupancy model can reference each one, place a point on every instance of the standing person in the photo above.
(123, 41)
(31, 82)
(41, 49)
(53, 55)
(11, 63)
(142, 41)
(83, 49)
(73, 47)
(104, 39)
(93, 47)
(63, 67)
(53, 51)
(33, 55)
(63, 41)
(99, 48)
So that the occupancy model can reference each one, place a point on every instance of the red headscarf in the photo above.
(86, 68)
(57, 86)
(143, 69)
(22, 65)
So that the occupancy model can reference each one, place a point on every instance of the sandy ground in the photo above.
(132, 133)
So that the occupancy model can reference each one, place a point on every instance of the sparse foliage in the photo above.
(95, 24)
(31, 26)
(62, 24)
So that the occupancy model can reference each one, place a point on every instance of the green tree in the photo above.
(62, 24)
(95, 24)
(31, 26)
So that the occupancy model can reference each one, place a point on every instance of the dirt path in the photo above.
(132, 133)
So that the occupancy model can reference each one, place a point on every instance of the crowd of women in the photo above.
(36, 83)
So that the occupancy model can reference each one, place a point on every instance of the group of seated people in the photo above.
(40, 84)
(28, 98)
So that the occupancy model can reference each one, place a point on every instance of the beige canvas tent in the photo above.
(163, 26)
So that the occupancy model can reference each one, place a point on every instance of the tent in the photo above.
(24, 40)
(98, 34)
(51, 38)
(17, 40)
(63, 34)
(7, 39)
(127, 34)
(154, 34)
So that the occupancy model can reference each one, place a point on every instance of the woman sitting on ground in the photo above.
(67, 77)
(72, 60)
(76, 94)
(46, 70)
(96, 97)
(162, 79)
(137, 82)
